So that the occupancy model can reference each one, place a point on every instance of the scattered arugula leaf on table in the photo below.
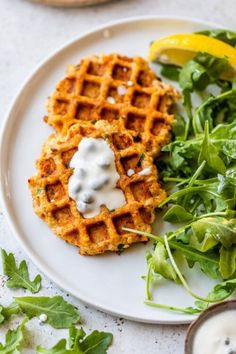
(14, 339)
(8, 311)
(18, 277)
(60, 314)
(78, 343)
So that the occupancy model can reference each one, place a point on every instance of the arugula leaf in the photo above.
(202, 70)
(218, 228)
(170, 72)
(177, 214)
(222, 290)
(160, 263)
(226, 36)
(95, 343)
(13, 340)
(215, 110)
(178, 126)
(208, 261)
(214, 66)
(59, 348)
(210, 154)
(60, 314)
(7, 312)
(227, 262)
(193, 76)
(18, 277)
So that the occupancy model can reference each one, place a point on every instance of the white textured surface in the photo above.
(28, 32)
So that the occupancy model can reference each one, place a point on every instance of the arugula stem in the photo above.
(183, 281)
(208, 215)
(195, 205)
(179, 230)
(167, 307)
(193, 179)
(188, 106)
(174, 245)
(187, 190)
(148, 292)
(175, 179)
(196, 174)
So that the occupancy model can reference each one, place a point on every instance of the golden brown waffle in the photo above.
(103, 232)
(116, 89)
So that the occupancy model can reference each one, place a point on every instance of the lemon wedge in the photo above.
(179, 48)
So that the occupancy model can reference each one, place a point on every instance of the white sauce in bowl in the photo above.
(94, 179)
(216, 335)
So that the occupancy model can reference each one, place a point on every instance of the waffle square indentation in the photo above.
(145, 79)
(91, 89)
(135, 121)
(109, 114)
(63, 215)
(121, 72)
(96, 69)
(55, 191)
(130, 162)
(157, 126)
(97, 232)
(123, 220)
(47, 167)
(140, 190)
(146, 215)
(61, 107)
(85, 111)
(121, 141)
(141, 99)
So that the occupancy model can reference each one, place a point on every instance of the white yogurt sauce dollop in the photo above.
(217, 335)
(94, 179)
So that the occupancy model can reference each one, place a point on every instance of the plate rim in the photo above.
(3, 130)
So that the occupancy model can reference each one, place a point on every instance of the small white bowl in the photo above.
(195, 325)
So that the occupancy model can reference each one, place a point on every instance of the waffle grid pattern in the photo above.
(119, 90)
(104, 231)
(121, 100)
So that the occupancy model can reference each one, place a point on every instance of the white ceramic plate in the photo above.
(109, 282)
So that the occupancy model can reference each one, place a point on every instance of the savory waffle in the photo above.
(103, 232)
(118, 89)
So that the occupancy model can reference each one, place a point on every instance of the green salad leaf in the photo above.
(160, 264)
(216, 110)
(226, 36)
(171, 72)
(222, 290)
(177, 214)
(78, 343)
(18, 277)
(8, 311)
(217, 228)
(227, 262)
(60, 314)
(210, 153)
(14, 339)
